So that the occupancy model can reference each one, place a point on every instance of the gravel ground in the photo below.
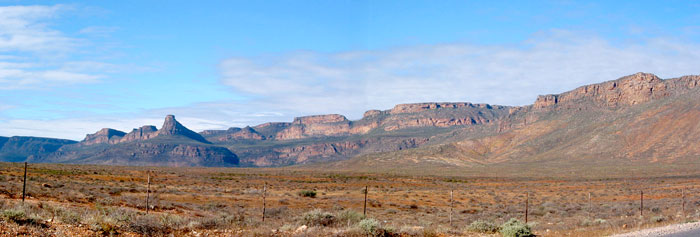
(677, 230)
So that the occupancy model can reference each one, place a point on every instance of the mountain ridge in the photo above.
(472, 134)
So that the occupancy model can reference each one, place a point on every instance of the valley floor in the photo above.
(84, 200)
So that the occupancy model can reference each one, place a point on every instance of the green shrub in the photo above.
(515, 228)
(307, 193)
(370, 226)
(69, 217)
(350, 217)
(14, 215)
(318, 217)
(483, 227)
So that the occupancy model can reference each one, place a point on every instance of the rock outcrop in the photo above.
(139, 134)
(106, 135)
(403, 116)
(629, 90)
(172, 127)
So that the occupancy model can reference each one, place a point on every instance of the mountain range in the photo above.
(639, 118)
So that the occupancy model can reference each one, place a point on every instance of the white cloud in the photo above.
(34, 55)
(22, 28)
(280, 87)
(352, 82)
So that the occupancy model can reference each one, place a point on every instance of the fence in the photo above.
(551, 205)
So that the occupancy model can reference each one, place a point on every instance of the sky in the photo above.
(69, 68)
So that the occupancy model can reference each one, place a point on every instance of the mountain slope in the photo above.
(638, 119)
(16, 149)
(172, 145)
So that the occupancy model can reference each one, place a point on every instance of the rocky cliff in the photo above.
(639, 116)
(638, 120)
(403, 116)
(172, 145)
(629, 90)
(106, 135)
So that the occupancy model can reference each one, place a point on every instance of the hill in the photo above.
(639, 119)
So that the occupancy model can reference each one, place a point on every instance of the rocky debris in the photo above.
(105, 135)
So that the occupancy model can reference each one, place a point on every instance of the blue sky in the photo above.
(69, 68)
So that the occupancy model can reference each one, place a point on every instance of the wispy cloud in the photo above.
(352, 82)
(280, 87)
(35, 55)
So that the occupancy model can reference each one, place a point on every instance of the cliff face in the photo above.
(106, 135)
(639, 115)
(630, 90)
(171, 127)
(139, 134)
(638, 119)
(403, 116)
(172, 145)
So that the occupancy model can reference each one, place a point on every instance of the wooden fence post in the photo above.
(24, 185)
(641, 203)
(451, 205)
(590, 205)
(364, 209)
(263, 196)
(148, 190)
(683, 201)
(527, 204)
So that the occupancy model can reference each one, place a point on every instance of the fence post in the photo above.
(364, 209)
(451, 205)
(148, 190)
(527, 204)
(24, 185)
(641, 203)
(263, 196)
(590, 205)
(683, 201)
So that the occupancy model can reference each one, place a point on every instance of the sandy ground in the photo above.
(687, 229)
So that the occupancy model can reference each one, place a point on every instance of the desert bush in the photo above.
(370, 226)
(483, 227)
(14, 215)
(515, 228)
(67, 216)
(148, 225)
(318, 217)
(595, 222)
(307, 193)
(350, 217)
(658, 219)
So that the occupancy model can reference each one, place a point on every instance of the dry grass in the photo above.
(104, 199)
